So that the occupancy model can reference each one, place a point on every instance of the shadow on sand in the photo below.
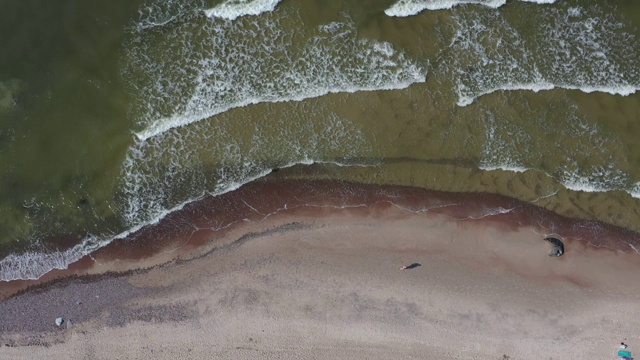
(412, 266)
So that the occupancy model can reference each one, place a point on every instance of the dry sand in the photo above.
(327, 284)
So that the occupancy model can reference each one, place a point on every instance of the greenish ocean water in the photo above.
(116, 113)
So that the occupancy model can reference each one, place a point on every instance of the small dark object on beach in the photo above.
(406, 267)
(275, 169)
(558, 246)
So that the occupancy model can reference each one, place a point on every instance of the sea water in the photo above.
(116, 114)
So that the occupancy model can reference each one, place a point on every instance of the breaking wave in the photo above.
(229, 64)
(572, 48)
(510, 145)
(32, 265)
(232, 9)
(206, 158)
(404, 8)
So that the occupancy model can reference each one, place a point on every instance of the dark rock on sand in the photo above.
(31, 312)
(557, 246)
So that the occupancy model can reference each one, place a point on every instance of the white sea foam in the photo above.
(232, 9)
(465, 99)
(165, 173)
(486, 212)
(9, 91)
(207, 157)
(500, 152)
(574, 11)
(160, 13)
(578, 48)
(585, 183)
(521, 138)
(231, 64)
(593, 183)
(599, 179)
(32, 265)
(635, 190)
(504, 167)
(404, 8)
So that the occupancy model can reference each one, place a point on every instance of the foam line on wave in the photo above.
(599, 180)
(509, 145)
(143, 186)
(617, 89)
(404, 8)
(159, 173)
(233, 64)
(590, 49)
(635, 190)
(32, 265)
(232, 9)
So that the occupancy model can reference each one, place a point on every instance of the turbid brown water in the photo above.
(116, 114)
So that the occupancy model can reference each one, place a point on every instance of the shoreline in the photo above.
(324, 280)
(181, 234)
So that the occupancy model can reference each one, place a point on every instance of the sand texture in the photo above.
(302, 285)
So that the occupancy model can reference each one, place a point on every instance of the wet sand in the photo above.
(320, 278)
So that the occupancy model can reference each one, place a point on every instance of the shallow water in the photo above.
(115, 114)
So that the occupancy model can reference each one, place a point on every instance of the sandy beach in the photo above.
(324, 282)
(335, 179)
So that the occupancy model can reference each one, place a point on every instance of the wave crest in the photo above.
(576, 47)
(404, 8)
(230, 64)
(232, 9)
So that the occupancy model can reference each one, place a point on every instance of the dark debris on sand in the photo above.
(29, 318)
(77, 300)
